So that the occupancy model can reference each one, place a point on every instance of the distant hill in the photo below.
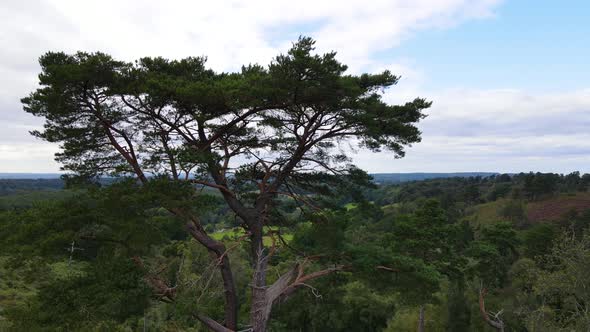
(29, 176)
(406, 177)
(379, 177)
(14, 186)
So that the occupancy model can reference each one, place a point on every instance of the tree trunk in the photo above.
(494, 321)
(421, 319)
(263, 298)
(229, 287)
(260, 308)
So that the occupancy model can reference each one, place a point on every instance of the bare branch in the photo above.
(494, 322)
(212, 324)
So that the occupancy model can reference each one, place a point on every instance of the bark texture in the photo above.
(421, 319)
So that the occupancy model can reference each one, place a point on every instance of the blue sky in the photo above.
(535, 45)
(509, 79)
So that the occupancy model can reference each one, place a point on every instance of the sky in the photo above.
(509, 80)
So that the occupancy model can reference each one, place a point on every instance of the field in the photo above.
(237, 232)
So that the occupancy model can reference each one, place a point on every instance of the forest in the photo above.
(418, 250)
(232, 204)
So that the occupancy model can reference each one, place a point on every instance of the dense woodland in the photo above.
(236, 207)
(428, 246)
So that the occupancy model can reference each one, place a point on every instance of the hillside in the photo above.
(505, 232)
(379, 177)
(549, 209)
(406, 177)
(17, 186)
(29, 176)
(556, 208)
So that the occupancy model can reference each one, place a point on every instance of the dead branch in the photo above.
(212, 324)
(160, 288)
(386, 268)
(495, 321)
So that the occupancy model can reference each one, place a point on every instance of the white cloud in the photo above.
(466, 130)
(28, 158)
(497, 130)
(509, 113)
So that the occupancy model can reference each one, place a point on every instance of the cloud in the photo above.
(508, 113)
(230, 33)
(28, 158)
(497, 130)
(466, 129)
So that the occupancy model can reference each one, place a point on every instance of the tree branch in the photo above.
(212, 324)
(496, 322)
(213, 185)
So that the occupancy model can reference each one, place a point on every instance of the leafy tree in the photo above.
(253, 135)
(499, 190)
(339, 303)
(537, 185)
(514, 211)
(584, 182)
(427, 247)
(408, 255)
(471, 193)
(494, 251)
(503, 178)
(107, 293)
(124, 215)
(116, 228)
(572, 182)
(459, 314)
(562, 288)
(538, 240)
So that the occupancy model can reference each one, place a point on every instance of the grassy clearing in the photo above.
(236, 232)
(487, 213)
(350, 206)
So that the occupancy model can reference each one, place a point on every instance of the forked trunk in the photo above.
(260, 308)
(261, 298)
(265, 296)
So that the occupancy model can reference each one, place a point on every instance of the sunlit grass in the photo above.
(236, 232)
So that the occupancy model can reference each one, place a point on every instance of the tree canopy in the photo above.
(256, 135)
